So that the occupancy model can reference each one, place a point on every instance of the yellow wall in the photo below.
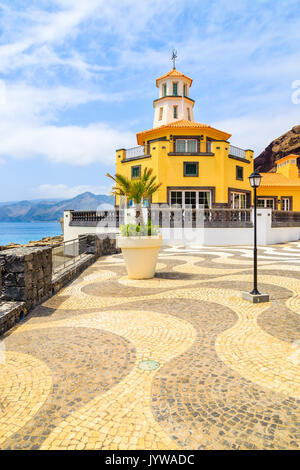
(288, 168)
(281, 191)
(217, 171)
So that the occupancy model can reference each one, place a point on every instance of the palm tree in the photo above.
(135, 190)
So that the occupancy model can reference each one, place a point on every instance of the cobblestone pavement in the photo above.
(176, 362)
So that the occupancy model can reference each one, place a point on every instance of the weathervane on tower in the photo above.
(174, 57)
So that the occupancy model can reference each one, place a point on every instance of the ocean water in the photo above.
(23, 232)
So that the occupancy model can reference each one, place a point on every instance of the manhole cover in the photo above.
(149, 365)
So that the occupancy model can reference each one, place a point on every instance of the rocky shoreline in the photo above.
(46, 241)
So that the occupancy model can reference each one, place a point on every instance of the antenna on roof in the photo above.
(174, 57)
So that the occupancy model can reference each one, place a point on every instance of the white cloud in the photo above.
(25, 103)
(246, 59)
(62, 191)
(28, 126)
(41, 27)
(67, 144)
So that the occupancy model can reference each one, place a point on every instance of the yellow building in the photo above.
(281, 190)
(194, 162)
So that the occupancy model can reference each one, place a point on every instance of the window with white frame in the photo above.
(266, 203)
(186, 145)
(191, 199)
(286, 204)
(238, 201)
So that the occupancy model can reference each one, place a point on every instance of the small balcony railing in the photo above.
(135, 152)
(237, 152)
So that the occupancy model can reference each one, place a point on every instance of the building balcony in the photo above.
(202, 148)
(237, 152)
(136, 153)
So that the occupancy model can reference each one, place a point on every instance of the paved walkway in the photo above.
(176, 362)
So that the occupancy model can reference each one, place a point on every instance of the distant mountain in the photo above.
(50, 210)
(280, 147)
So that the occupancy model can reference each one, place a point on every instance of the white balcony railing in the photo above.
(135, 152)
(237, 152)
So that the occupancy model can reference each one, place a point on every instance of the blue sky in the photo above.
(78, 80)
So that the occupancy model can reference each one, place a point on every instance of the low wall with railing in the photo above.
(30, 275)
(76, 255)
(285, 219)
(193, 226)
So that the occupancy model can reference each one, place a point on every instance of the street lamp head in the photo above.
(255, 179)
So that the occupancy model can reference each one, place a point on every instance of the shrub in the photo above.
(141, 230)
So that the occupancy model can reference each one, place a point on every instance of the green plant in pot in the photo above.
(140, 241)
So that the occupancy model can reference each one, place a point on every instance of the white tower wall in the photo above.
(164, 107)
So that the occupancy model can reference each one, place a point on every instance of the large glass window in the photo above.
(191, 146)
(191, 199)
(204, 199)
(176, 198)
(186, 145)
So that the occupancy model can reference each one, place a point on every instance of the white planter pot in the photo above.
(140, 255)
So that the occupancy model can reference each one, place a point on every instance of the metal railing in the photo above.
(135, 151)
(68, 253)
(285, 219)
(237, 152)
(167, 217)
(225, 218)
(109, 218)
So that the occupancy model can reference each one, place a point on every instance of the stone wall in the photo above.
(26, 278)
(10, 314)
(26, 275)
(98, 245)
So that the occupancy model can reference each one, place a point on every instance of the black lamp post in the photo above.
(255, 179)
